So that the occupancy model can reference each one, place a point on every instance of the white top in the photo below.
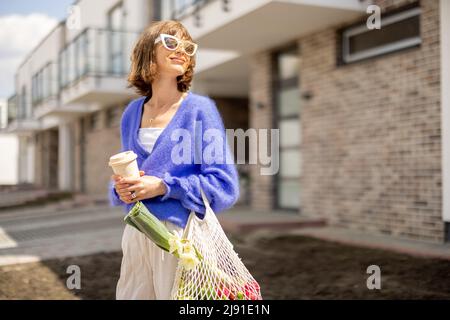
(148, 136)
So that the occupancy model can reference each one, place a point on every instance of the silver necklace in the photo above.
(151, 119)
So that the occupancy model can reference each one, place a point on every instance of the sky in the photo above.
(52, 8)
(23, 24)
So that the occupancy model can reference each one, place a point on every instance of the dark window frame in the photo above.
(42, 84)
(94, 121)
(397, 15)
(110, 122)
(278, 84)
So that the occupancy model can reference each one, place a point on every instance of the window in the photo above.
(287, 119)
(12, 108)
(398, 31)
(182, 5)
(43, 84)
(112, 117)
(34, 95)
(177, 9)
(53, 79)
(71, 62)
(83, 46)
(94, 121)
(116, 40)
(23, 110)
(39, 85)
(62, 66)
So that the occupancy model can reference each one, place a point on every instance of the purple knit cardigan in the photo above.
(219, 179)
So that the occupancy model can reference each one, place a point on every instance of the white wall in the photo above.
(8, 150)
(3, 113)
(8, 160)
(95, 14)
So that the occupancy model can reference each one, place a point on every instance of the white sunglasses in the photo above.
(172, 43)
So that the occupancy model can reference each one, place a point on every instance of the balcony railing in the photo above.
(19, 118)
(96, 52)
(45, 84)
(179, 9)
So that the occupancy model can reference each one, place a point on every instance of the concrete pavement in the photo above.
(41, 233)
(38, 233)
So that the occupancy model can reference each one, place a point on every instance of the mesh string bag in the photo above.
(220, 274)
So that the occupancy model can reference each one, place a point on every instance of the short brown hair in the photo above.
(143, 60)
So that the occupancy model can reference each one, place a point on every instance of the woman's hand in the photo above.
(144, 187)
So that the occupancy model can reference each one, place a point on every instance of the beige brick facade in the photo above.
(100, 143)
(260, 104)
(370, 134)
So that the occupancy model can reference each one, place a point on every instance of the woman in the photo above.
(163, 128)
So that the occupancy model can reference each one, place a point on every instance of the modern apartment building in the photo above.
(70, 92)
(363, 113)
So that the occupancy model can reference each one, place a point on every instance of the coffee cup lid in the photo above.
(122, 158)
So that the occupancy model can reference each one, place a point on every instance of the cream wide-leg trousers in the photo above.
(147, 272)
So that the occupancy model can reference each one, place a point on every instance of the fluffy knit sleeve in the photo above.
(218, 179)
(113, 197)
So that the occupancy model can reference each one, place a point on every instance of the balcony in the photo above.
(19, 122)
(47, 107)
(93, 69)
(230, 31)
(256, 25)
(179, 9)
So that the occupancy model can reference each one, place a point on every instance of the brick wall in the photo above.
(260, 109)
(100, 143)
(371, 135)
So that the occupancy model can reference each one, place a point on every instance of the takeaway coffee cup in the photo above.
(125, 164)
